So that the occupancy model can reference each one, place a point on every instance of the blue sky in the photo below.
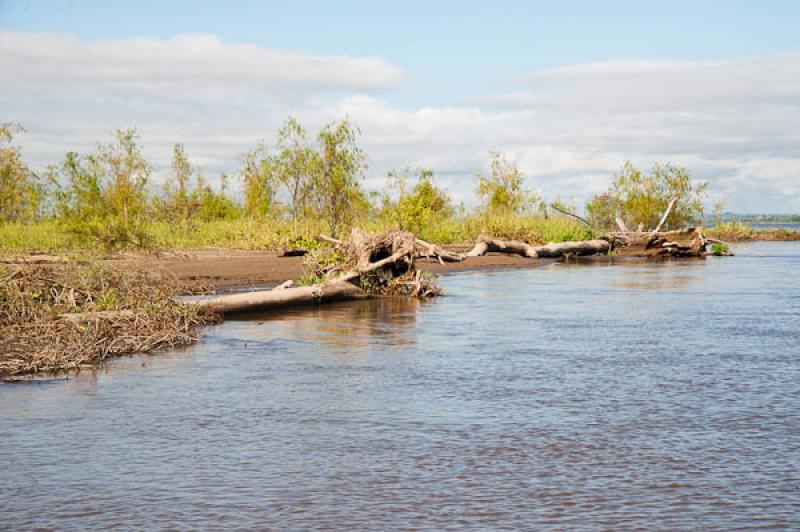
(497, 65)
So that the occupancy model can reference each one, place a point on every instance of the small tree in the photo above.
(177, 202)
(20, 191)
(211, 205)
(418, 208)
(336, 189)
(126, 172)
(643, 198)
(718, 212)
(104, 196)
(294, 166)
(258, 177)
(78, 195)
(503, 190)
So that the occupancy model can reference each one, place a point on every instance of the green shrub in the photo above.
(719, 249)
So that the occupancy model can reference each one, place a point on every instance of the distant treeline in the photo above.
(304, 180)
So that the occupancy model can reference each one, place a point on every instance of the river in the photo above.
(660, 395)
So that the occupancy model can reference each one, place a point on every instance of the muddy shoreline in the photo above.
(229, 270)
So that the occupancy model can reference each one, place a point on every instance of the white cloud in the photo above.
(730, 122)
(195, 67)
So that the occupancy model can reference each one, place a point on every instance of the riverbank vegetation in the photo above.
(302, 185)
(740, 232)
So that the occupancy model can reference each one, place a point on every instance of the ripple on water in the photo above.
(657, 396)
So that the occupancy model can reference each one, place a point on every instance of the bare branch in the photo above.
(331, 240)
(666, 213)
(564, 211)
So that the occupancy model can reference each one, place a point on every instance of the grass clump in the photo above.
(720, 249)
(57, 318)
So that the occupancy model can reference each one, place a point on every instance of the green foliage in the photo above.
(321, 181)
(125, 172)
(259, 180)
(102, 200)
(643, 198)
(503, 190)
(176, 203)
(103, 196)
(210, 205)
(736, 231)
(20, 190)
(182, 203)
(338, 197)
(319, 263)
(423, 206)
(296, 163)
(78, 189)
(720, 249)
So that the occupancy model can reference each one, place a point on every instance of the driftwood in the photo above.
(379, 264)
(583, 247)
(437, 252)
(683, 243)
(336, 290)
(384, 264)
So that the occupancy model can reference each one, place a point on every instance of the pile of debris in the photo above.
(365, 266)
(61, 317)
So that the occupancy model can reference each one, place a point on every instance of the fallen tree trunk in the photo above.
(487, 244)
(682, 243)
(581, 247)
(385, 264)
(439, 253)
(336, 290)
(380, 264)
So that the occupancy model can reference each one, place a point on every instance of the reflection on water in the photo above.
(345, 327)
(636, 395)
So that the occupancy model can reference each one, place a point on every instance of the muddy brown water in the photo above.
(641, 395)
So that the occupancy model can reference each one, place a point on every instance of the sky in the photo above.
(569, 90)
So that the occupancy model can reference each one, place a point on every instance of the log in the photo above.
(335, 290)
(343, 287)
(437, 252)
(582, 247)
(681, 243)
(503, 246)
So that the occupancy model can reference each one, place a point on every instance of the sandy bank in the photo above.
(229, 269)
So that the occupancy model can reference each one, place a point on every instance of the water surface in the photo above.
(659, 395)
